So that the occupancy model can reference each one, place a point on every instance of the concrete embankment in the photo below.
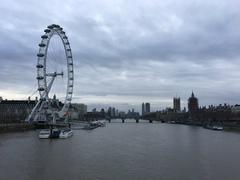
(15, 127)
(232, 127)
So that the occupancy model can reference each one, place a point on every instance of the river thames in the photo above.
(123, 151)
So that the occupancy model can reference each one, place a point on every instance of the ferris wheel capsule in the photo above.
(47, 30)
(39, 66)
(44, 36)
(42, 45)
(40, 54)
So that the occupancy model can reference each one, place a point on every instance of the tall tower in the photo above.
(176, 104)
(147, 107)
(143, 108)
(192, 104)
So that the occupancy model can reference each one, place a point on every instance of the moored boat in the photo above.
(44, 134)
(66, 133)
(214, 127)
(217, 128)
(91, 125)
(55, 133)
(102, 123)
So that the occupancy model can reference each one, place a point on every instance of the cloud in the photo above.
(127, 52)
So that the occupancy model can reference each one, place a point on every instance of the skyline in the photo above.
(126, 53)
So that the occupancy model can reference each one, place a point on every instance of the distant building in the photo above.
(56, 105)
(81, 108)
(122, 114)
(184, 110)
(236, 108)
(143, 108)
(78, 110)
(147, 108)
(15, 111)
(109, 112)
(113, 112)
(116, 113)
(132, 114)
(169, 110)
(192, 104)
(176, 104)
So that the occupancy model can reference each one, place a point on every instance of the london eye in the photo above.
(48, 71)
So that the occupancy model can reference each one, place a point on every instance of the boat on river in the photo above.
(55, 133)
(44, 134)
(66, 133)
(90, 126)
(94, 125)
(217, 128)
(102, 123)
(214, 127)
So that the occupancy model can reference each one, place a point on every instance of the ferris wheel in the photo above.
(46, 77)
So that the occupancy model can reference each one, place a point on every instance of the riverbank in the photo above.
(232, 129)
(16, 127)
(227, 126)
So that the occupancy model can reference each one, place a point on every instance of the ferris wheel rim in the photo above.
(42, 63)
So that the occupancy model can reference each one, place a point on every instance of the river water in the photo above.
(123, 151)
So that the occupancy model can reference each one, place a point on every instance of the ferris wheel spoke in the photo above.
(52, 58)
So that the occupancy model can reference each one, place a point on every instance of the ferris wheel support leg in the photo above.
(30, 118)
(49, 86)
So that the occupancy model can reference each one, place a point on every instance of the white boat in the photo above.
(56, 133)
(102, 123)
(218, 128)
(44, 134)
(65, 133)
(214, 127)
(91, 125)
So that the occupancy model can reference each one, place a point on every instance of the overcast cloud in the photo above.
(128, 52)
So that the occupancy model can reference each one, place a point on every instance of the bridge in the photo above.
(94, 116)
(124, 120)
